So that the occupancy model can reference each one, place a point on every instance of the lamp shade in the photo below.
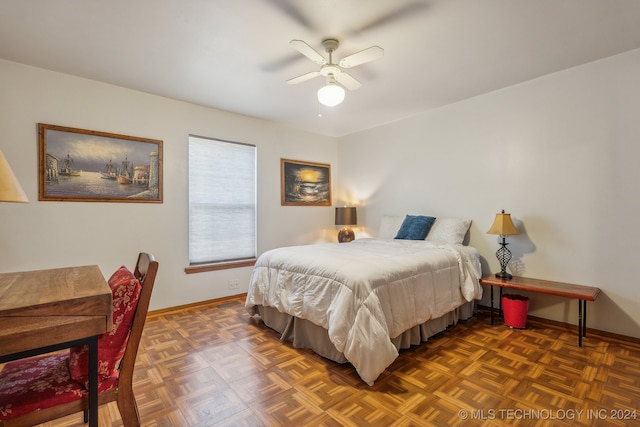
(10, 189)
(503, 225)
(331, 95)
(346, 216)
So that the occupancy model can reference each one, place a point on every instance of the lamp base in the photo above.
(504, 275)
(504, 256)
(346, 235)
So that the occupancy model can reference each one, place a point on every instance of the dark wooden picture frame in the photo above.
(304, 183)
(82, 165)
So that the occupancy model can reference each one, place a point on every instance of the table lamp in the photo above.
(503, 226)
(10, 189)
(346, 216)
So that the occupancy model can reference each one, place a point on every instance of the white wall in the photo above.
(560, 153)
(41, 235)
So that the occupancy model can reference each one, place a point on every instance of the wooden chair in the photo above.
(121, 392)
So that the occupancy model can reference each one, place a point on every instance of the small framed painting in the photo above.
(304, 183)
(82, 165)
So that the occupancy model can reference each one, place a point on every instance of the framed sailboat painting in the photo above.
(89, 166)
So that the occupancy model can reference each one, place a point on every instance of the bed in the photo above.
(360, 302)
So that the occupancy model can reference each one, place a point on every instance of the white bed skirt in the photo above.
(305, 334)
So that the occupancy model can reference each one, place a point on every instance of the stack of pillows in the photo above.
(420, 227)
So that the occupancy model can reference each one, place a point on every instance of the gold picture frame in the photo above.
(304, 183)
(82, 165)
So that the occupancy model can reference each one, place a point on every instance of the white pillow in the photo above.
(389, 226)
(448, 231)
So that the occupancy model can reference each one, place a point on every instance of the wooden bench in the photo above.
(567, 290)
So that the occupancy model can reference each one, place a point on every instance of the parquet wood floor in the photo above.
(211, 365)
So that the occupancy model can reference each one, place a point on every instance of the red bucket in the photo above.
(514, 309)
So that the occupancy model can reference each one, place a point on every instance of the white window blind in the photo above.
(222, 200)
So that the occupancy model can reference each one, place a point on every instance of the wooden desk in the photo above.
(48, 310)
(567, 290)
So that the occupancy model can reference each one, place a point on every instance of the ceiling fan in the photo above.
(333, 94)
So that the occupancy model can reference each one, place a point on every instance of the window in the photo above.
(222, 203)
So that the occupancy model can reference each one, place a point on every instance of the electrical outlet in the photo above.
(233, 284)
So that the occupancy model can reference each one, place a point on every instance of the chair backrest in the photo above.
(145, 271)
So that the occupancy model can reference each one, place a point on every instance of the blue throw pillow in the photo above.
(415, 227)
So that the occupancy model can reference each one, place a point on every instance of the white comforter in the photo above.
(367, 291)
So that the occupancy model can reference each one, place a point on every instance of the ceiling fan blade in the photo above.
(369, 54)
(308, 51)
(289, 8)
(281, 63)
(403, 12)
(303, 78)
(347, 81)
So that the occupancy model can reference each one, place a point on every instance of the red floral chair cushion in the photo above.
(40, 382)
(111, 345)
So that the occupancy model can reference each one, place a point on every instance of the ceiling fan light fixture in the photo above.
(331, 94)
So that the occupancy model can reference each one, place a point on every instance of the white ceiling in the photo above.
(234, 55)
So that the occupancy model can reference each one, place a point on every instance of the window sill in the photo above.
(201, 268)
